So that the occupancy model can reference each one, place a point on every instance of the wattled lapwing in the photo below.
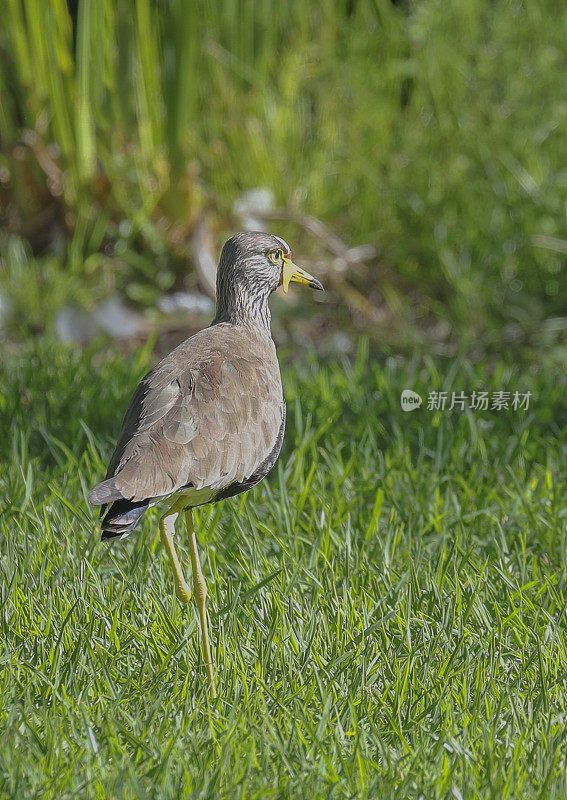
(208, 421)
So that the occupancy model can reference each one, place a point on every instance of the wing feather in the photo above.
(208, 415)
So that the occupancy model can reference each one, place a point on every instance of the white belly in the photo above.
(191, 497)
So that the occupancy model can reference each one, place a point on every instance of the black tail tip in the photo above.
(121, 518)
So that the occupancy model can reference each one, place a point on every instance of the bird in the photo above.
(208, 421)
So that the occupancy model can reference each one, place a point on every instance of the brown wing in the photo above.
(206, 416)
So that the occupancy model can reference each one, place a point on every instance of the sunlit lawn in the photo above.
(388, 608)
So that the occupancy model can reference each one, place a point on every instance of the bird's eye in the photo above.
(275, 256)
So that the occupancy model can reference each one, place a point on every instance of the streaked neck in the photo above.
(239, 306)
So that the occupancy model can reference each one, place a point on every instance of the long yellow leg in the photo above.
(167, 533)
(200, 588)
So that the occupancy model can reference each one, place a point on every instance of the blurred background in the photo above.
(413, 153)
(388, 608)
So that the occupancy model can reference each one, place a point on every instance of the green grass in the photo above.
(432, 130)
(387, 609)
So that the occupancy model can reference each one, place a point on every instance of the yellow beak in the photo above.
(291, 272)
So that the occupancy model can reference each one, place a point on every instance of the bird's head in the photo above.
(259, 263)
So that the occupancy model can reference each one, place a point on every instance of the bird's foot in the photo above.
(183, 593)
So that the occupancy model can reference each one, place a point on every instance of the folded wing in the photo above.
(200, 419)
